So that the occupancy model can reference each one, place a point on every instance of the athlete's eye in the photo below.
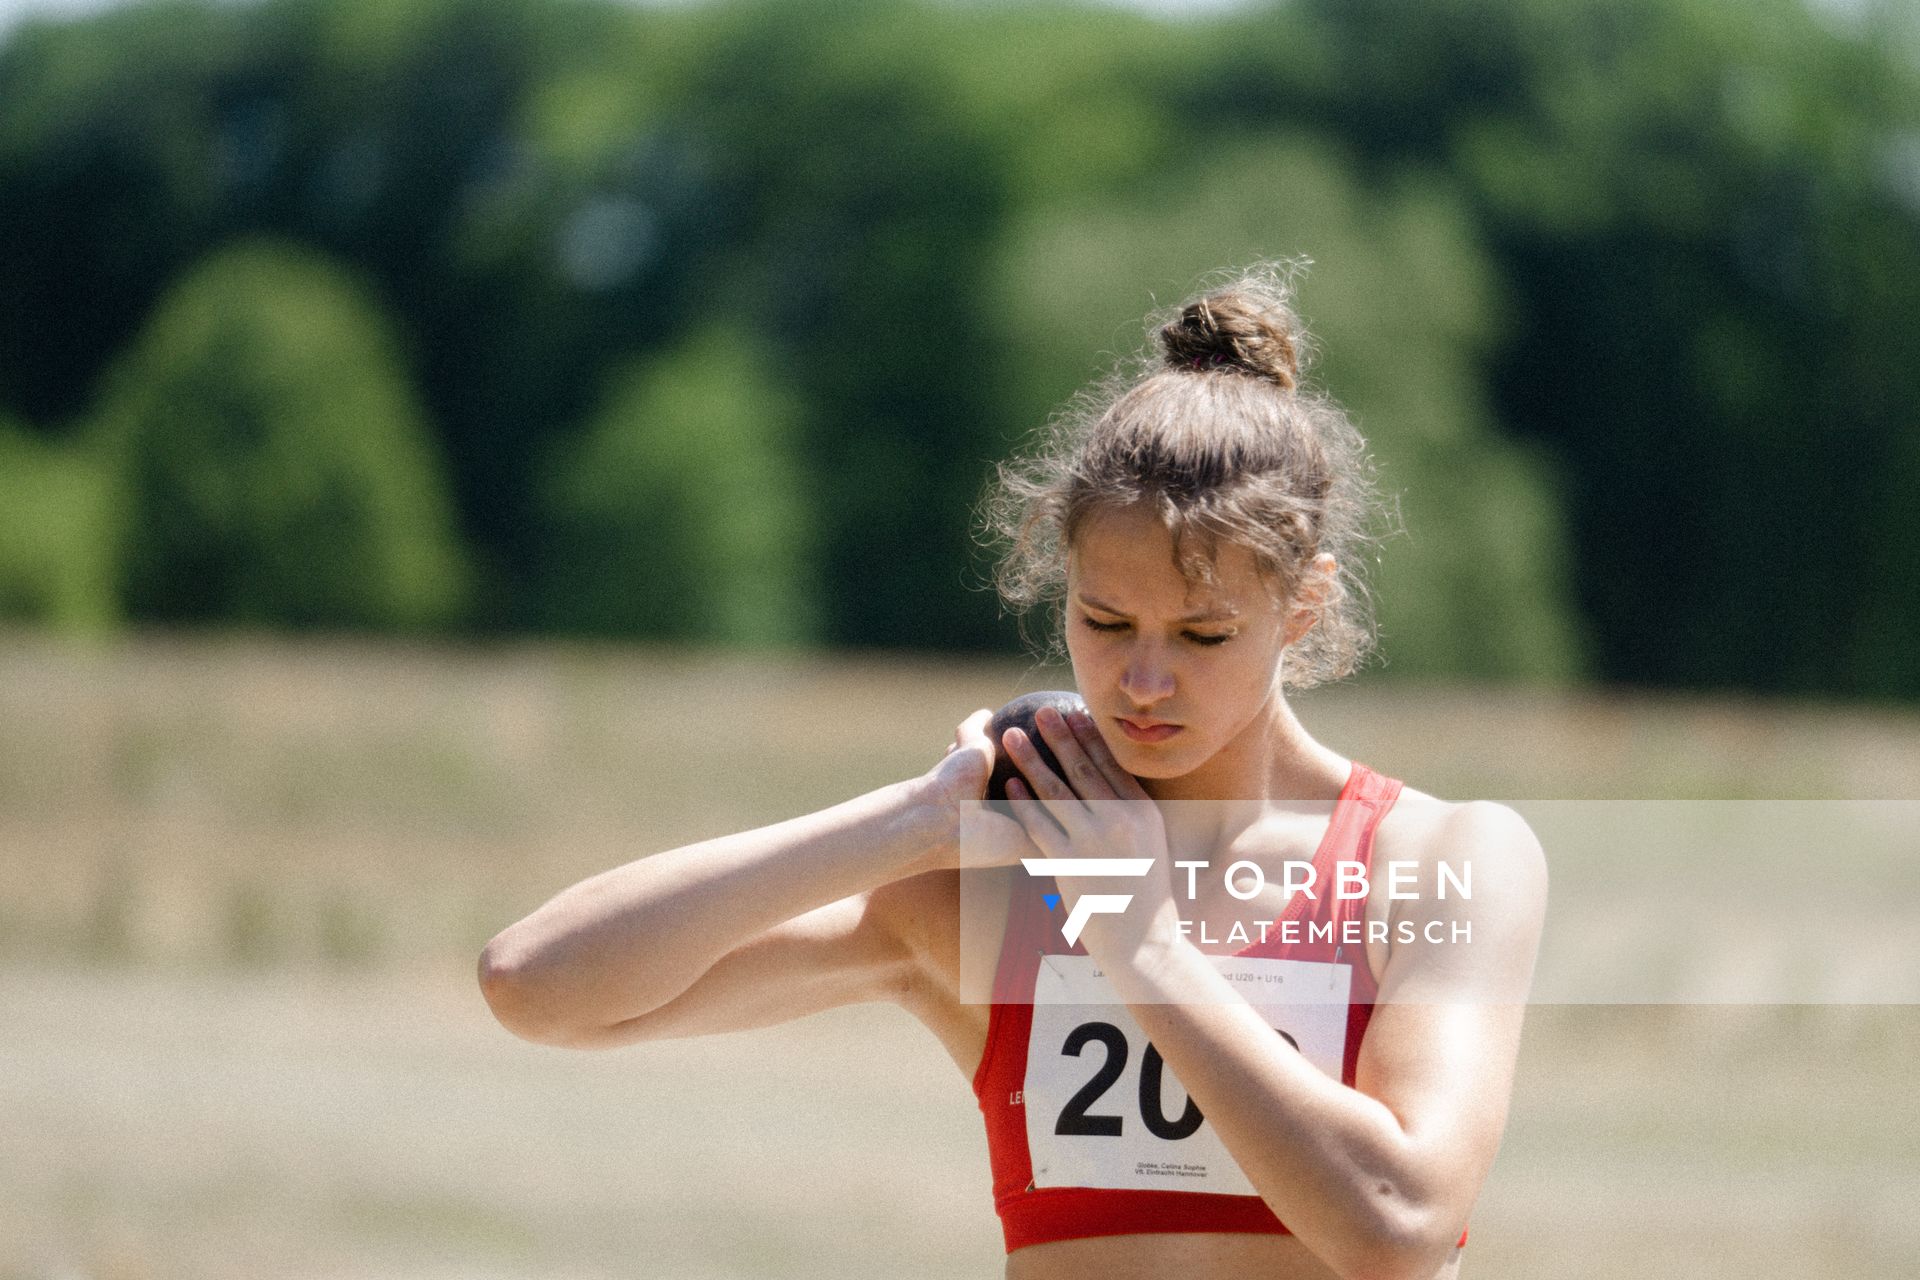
(1208, 641)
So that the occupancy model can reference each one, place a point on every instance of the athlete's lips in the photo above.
(1146, 730)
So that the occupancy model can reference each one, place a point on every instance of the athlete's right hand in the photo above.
(980, 835)
(963, 771)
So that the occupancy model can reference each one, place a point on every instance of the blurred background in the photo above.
(450, 447)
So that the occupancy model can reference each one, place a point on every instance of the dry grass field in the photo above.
(243, 883)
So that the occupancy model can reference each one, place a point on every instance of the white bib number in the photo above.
(1104, 1109)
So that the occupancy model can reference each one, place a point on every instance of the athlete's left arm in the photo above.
(1377, 1179)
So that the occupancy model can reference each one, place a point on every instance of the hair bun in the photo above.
(1235, 327)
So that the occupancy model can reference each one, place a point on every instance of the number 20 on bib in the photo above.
(1104, 1110)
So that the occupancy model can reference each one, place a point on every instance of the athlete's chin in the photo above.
(1151, 763)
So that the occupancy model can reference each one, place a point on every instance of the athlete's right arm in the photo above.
(740, 931)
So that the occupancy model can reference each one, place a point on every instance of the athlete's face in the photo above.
(1172, 673)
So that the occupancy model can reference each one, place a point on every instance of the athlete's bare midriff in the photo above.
(936, 999)
(1175, 1256)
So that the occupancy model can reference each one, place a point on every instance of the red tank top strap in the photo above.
(1373, 795)
(1363, 801)
(1012, 974)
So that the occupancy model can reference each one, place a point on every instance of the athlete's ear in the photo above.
(1310, 596)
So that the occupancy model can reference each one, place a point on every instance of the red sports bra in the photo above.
(1078, 1124)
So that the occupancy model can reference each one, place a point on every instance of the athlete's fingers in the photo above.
(1042, 829)
(1082, 774)
(992, 838)
(1040, 777)
(971, 734)
(973, 729)
(1042, 783)
(1125, 786)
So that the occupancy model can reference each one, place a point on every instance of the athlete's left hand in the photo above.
(1098, 810)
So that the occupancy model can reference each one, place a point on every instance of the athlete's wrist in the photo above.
(930, 821)
(1147, 947)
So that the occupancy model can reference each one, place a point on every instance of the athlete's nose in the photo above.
(1147, 679)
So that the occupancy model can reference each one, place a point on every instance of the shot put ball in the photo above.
(1019, 714)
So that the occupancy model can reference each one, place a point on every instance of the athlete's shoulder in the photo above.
(1480, 867)
(1424, 828)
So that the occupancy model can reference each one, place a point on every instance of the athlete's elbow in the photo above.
(521, 994)
(1391, 1262)
(1397, 1241)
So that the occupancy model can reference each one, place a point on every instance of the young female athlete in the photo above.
(1196, 526)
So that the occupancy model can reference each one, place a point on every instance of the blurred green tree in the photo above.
(863, 199)
(56, 535)
(102, 205)
(500, 172)
(685, 511)
(271, 463)
(1707, 219)
(1689, 284)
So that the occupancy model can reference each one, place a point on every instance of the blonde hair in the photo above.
(1214, 427)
